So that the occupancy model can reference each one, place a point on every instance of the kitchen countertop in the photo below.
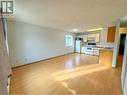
(107, 49)
(102, 48)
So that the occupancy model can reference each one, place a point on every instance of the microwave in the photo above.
(91, 43)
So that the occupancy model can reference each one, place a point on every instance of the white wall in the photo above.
(116, 44)
(124, 71)
(125, 88)
(29, 43)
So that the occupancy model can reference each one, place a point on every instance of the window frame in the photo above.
(69, 40)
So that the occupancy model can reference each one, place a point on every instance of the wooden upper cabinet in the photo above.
(85, 38)
(91, 37)
(97, 37)
(111, 34)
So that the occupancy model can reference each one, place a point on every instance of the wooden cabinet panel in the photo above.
(91, 37)
(97, 37)
(85, 38)
(111, 34)
(105, 57)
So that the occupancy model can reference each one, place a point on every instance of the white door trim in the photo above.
(116, 44)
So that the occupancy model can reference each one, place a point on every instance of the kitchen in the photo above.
(97, 42)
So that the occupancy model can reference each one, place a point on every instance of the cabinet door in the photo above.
(111, 34)
(105, 57)
(85, 38)
(91, 37)
(97, 37)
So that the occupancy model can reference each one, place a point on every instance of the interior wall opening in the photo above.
(122, 42)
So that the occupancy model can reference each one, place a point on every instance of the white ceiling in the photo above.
(70, 14)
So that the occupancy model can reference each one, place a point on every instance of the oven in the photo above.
(89, 50)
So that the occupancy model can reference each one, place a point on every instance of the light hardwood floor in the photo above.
(73, 74)
(119, 61)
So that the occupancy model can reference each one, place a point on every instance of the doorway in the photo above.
(122, 54)
(122, 42)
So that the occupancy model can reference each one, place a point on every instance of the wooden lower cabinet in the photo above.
(106, 57)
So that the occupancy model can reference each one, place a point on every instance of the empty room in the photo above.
(63, 47)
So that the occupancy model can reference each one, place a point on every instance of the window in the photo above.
(69, 40)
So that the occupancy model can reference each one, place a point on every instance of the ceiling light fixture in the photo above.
(97, 29)
(75, 30)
